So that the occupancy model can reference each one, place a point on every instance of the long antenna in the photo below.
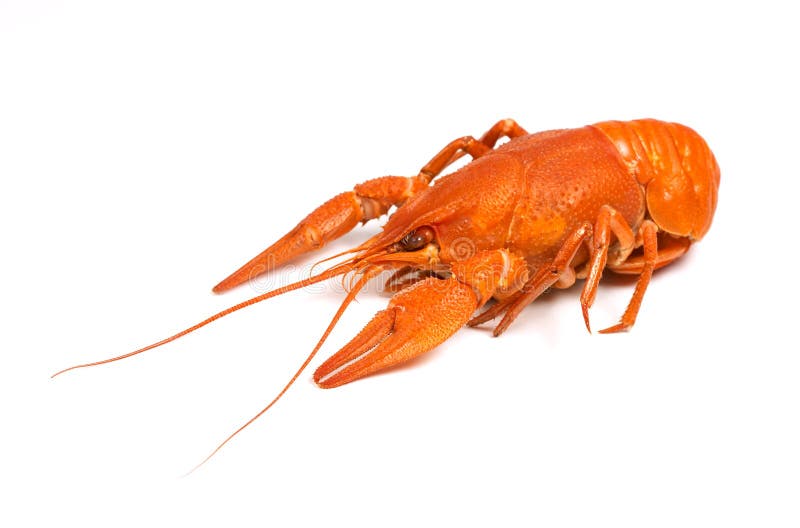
(368, 274)
(327, 274)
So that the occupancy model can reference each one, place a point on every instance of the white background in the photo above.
(148, 149)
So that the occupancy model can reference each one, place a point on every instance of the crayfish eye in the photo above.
(417, 239)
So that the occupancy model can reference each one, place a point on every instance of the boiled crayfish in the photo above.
(539, 211)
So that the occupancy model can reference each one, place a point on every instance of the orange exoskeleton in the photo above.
(537, 212)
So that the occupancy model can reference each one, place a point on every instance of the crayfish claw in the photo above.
(417, 319)
(332, 219)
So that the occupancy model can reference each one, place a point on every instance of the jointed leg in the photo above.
(454, 150)
(652, 258)
(546, 277)
(648, 232)
(608, 221)
(504, 128)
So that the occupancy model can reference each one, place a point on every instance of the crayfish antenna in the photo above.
(368, 274)
(341, 269)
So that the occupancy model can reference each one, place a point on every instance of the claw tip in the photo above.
(227, 284)
(619, 327)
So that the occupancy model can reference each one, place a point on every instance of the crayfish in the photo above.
(537, 212)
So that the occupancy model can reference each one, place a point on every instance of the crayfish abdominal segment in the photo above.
(540, 211)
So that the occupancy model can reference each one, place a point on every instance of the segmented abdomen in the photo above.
(678, 170)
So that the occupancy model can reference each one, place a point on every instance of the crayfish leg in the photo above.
(546, 277)
(649, 234)
(503, 128)
(609, 221)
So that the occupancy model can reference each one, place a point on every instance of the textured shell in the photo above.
(529, 193)
(676, 166)
(526, 195)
